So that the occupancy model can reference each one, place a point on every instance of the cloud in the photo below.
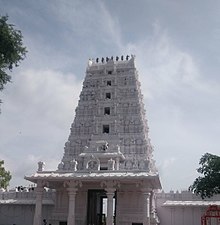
(168, 162)
(182, 105)
(111, 26)
(91, 22)
(166, 69)
(162, 66)
(37, 112)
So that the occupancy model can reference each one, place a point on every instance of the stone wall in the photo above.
(17, 207)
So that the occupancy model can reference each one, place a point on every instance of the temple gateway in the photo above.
(107, 174)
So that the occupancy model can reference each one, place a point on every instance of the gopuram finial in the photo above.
(107, 59)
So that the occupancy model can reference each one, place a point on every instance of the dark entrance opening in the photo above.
(97, 207)
(62, 223)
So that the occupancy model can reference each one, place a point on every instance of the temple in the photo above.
(107, 174)
(108, 156)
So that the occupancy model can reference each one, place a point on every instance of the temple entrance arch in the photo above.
(97, 207)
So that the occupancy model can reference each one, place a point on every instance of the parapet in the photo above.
(23, 193)
(183, 195)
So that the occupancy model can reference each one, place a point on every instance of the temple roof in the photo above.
(96, 176)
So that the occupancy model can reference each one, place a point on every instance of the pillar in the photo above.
(38, 206)
(117, 164)
(71, 212)
(152, 205)
(110, 195)
(146, 207)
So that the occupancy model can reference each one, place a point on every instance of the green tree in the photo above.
(5, 176)
(208, 184)
(12, 50)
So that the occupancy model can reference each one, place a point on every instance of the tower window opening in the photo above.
(108, 95)
(103, 168)
(105, 129)
(107, 111)
(109, 72)
(109, 83)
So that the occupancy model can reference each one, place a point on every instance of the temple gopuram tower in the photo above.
(107, 174)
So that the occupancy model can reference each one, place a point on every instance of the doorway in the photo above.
(97, 207)
(62, 223)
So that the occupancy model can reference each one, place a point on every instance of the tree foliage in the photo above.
(208, 184)
(12, 50)
(5, 176)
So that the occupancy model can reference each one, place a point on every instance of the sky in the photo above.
(177, 48)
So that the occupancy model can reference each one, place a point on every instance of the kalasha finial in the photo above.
(41, 166)
(106, 59)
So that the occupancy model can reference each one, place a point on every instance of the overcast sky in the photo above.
(177, 48)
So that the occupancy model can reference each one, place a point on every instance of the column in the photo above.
(110, 195)
(117, 163)
(38, 206)
(152, 205)
(71, 211)
(146, 207)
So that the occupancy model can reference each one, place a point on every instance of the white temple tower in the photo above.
(108, 156)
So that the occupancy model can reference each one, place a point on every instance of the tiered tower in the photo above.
(110, 122)
(108, 154)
